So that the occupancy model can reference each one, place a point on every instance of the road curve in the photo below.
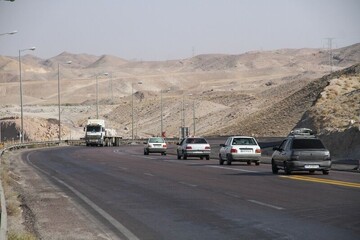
(160, 197)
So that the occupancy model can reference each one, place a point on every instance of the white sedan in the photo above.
(193, 147)
(155, 145)
(241, 149)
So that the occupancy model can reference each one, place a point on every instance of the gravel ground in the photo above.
(47, 212)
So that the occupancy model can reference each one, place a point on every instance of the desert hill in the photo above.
(263, 93)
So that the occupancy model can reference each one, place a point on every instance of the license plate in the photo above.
(311, 166)
(246, 151)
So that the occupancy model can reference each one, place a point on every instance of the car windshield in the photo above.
(156, 140)
(196, 140)
(307, 144)
(243, 141)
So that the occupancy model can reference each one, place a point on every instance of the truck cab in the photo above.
(95, 132)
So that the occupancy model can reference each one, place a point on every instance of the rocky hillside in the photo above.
(330, 103)
(335, 114)
(262, 93)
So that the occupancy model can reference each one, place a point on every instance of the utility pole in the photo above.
(330, 52)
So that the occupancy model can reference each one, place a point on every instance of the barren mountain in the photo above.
(262, 93)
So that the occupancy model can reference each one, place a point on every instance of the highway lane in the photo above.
(160, 197)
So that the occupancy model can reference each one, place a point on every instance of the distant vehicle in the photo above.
(97, 135)
(155, 145)
(193, 147)
(301, 151)
(240, 149)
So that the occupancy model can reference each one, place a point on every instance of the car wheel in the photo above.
(221, 161)
(201, 158)
(274, 168)
(185, 157)
(257, 163)
(178, 155)
(164, 153)
(207, 157)
(325, 172)
(287, 169)
(311, 171)
(228, 159)
(248, 162)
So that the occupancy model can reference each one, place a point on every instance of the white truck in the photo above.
(97, 135)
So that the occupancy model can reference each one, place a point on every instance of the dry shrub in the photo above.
(13, 207)
(20, 236)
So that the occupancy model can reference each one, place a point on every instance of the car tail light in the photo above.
(233, 150)
(188, 147)
(164, 145)
(327, 156)
(207, 147)
(258, 150)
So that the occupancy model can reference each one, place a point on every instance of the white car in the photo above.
(155, 145)
(193, 147)
(241, 149)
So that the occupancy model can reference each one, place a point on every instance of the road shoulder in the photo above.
(46, 211)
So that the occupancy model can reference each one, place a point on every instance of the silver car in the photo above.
(193, 147)
(301, 151)
(155, 145)
(241, 149)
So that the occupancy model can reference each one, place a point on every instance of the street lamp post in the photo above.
(161, 111)
(21, 95)
(194, 119)
(1, 34)
(97, 95)
(68, 62)
(132, 110)
(8, 33)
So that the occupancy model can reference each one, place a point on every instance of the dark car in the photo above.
(301, 151)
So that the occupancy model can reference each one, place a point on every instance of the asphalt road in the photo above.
(160, 197)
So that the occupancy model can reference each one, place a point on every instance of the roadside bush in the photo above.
(21, 236)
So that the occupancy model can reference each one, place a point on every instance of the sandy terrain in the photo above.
(228, 94)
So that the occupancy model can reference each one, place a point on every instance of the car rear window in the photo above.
(196, 140)
(307, 144)
(156, 140)
(243, 141)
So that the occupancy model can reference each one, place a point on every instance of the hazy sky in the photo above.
(174, 29)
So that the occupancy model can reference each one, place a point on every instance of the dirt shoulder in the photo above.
(46, 212)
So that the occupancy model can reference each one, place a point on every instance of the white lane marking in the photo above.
(188, 184)
(174, 161)
(266, 204)
(118, 151)
(123, 168)
(149, 157)
(149, 174)
(126, 232)
(234, 169)
(232, 195)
